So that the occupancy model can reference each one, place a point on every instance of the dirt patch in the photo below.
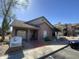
(3, 49)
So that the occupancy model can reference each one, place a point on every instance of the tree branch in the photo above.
(2, 7)
(11, 1)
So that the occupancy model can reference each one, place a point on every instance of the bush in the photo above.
(47, 39)
(4, 43)
(0, 34)
(8, 33)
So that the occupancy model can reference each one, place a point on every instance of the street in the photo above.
(67, 53)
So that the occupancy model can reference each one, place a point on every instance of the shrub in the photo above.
(8, 33)
(0, 34)
(47, 39)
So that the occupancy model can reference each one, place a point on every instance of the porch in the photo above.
(26, 33)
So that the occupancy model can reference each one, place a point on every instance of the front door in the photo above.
(34, 35)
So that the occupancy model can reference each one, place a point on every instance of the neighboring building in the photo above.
(77, 29)
(35, 29)
(68, 29)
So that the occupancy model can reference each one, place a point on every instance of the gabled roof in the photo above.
(56, 29)
(18, 23)
(28, 24)
(43, 18)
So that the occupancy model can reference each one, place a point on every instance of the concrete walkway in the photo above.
(33, 53)
(67, 53)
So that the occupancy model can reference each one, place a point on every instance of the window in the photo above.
(21, 33)
(44, 34)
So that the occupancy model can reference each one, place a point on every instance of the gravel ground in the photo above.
(66, 53)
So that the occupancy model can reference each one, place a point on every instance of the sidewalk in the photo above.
(72, 38)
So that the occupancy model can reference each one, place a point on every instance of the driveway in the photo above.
(66, 53)
(35, 50)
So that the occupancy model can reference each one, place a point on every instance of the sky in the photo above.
(64, 11)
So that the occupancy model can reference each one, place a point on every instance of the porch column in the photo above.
(28, 35)
(14, 32)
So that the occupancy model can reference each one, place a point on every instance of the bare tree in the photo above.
(6, 12)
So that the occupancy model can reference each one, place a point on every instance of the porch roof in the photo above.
(21, 24)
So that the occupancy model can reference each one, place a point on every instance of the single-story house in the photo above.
(35, 29)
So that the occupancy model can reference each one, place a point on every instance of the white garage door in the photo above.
(21, 33)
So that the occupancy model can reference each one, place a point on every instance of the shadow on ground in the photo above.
(61, 41)
(38, 43)
(16, 55)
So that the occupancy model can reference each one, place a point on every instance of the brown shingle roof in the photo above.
(27, 24)
(18, 23)
(42, 17)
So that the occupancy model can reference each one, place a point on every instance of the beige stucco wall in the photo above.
(21, 33)
(44, 27)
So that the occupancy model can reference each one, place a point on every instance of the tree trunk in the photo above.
(3, 36)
